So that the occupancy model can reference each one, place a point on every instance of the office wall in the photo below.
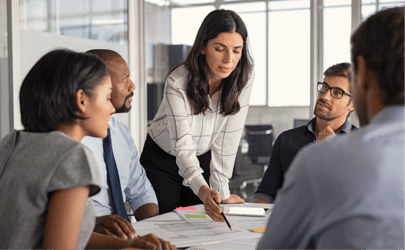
(35, 44)
(158, 23)
(4, 83)
(282, 118)
(157, 31)
(4, 99)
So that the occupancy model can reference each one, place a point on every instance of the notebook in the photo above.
(246, 211)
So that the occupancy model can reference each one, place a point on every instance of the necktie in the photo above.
(113, 177)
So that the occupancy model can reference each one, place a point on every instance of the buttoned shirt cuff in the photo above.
(264, 197)
(197, 182)
(223, 192)
(139, 202)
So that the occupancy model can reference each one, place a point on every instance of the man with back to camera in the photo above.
(348, 193)
(332, 111)
(122, 174)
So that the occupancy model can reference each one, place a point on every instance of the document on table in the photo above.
(193, 215)
(250, 244)
(184, 234)
(171, 227)
(197, 216)
(246, 223)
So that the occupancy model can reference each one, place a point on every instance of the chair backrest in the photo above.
(300, 122)
(260, 140)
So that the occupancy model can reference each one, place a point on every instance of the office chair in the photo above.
(258, 144)
(300, 122)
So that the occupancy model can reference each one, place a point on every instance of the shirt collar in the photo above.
(310, 126)
(346, 128)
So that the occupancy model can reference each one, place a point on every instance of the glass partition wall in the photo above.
(280, 39)
(281, 42)
(99, 20)
(39, 26)
(292, 42)
(79, 25)
(5, 112)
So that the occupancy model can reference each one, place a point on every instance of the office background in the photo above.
(292, 42)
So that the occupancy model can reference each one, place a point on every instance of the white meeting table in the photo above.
(207, 234)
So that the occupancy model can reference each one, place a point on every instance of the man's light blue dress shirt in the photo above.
(346, 192)
(135, 186)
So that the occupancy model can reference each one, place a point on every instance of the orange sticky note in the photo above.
(258, 229)
(186, 208)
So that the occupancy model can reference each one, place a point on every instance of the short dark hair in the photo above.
(104, 54)
(341, 69)
(48, 92)
(216, 22)
(380, 40)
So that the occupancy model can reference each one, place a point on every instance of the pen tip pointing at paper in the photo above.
(230, 228)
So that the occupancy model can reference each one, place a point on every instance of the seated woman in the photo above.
(46, 174)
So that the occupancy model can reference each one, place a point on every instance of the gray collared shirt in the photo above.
(346, 192)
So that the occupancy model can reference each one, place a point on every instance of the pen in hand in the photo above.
(223, 215)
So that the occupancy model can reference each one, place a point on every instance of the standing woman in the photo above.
(190, 150)
(46, 174)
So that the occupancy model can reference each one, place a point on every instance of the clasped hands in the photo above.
(207, 196)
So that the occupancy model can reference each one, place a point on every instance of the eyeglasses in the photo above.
(337, 93)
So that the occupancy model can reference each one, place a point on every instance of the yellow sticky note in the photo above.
(258, 229)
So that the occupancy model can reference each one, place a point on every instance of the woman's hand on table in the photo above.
(233, 199)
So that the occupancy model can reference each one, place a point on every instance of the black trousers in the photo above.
(162, 171)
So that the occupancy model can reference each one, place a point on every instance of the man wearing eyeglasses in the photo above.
(332, 110)
(348, 192)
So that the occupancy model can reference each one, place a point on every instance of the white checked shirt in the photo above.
(184, 135)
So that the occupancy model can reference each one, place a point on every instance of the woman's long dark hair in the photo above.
(216, 22)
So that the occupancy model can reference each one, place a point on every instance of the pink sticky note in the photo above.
(186, 208)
